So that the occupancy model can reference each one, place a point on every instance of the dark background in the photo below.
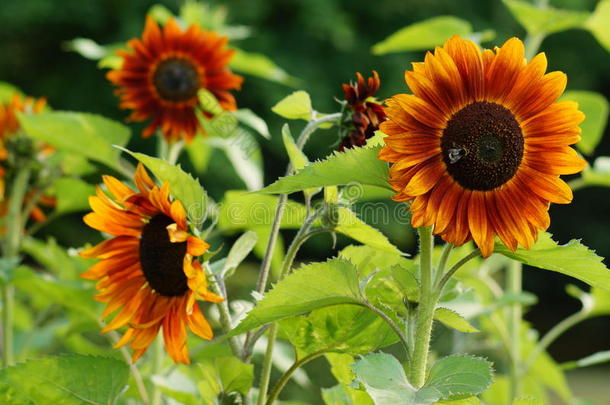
(322, 42)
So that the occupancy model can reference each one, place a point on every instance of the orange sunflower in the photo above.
(163, 71)
(479, 146)
(148, 270)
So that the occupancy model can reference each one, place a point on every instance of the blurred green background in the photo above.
(322, 42)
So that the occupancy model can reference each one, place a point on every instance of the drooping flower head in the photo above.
(479, 146)
(162, 73)
(364, 113)
(148, 273)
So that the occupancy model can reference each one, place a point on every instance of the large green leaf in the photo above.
(358, 165)
(545, 20)
(598, 23)
(182, 185)
(225, 375)
(595, 106)
(423, 35)
(90, 135)
(260, 65)
(350, 225)
(72, 195)
(311, 287)
(573, 259)
(67, 380)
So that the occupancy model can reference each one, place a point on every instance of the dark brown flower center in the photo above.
(161, 260)
(176, 79)
(482, 146)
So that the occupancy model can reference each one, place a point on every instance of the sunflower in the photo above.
(148, 270)
(479, 146)
(363, 113)
(162, 73)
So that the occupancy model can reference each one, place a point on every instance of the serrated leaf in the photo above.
(310, 287)
(90, 135)
(240, 250)
(357, 165)
(67, 380)
(295, 106)
(459, 375)
(182, 186)
(453, 320)
(261, 66)
(545, 20)
(341, 369)
(72, 195)
(573, 259)
(350, 225)
(595, 106)
(250, 119)
(598, 23)
(423, 35)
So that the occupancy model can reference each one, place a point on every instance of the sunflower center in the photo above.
(482, 146)
(161, 260)
(176, 79)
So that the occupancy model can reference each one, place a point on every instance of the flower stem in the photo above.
(514, 287)
(12, 243)
(158, 355)
(279, 386)
(428, 298)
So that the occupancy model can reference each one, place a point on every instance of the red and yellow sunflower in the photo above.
(148, 271)
(162, 73)
(479, 146)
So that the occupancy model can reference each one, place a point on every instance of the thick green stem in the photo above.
(12, 243)
(428, 298)
(279, 386)
(514, 287)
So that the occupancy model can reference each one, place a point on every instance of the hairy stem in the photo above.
(393, 325)
(447, 276)
(12, 244)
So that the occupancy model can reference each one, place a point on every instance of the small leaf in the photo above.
(240, 249)
(384, 379)
(250, 119)
(72, 195)
(598, 23)
(312, 286)
(260, 65)
(599, 173)
(545, 20)
(295, 106)
(592, 360)
(182, 185)
(90, 135)
(67, 380)
(297, 157)
(357, 165)
(459, 375)
(573, 259)
(423, 35)
(595, 106)
(453, 320)
(350, 225)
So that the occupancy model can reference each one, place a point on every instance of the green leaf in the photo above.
(260, 65)
(595, 106)
(311, 287)
(200, 152)
(598, 23)
(245, 155)
(341, 369)
(160, 13)
(90, 135)
(599, 173)
(339, 329)
(357, 165)
(239, 251)
(72, 195)
(459, 375)
(545, 20)
(592, 360)
(67, 380)
(528, 401)
(66, 265)
(182, 185)
(423, 35)
(295, 106)
(297, 157)
(573, 259)
(224, 375)
(250, 119)
(336, 395)
(350, 225)
(453, 320)
(385, 381)
(7, 91)
(86, 47)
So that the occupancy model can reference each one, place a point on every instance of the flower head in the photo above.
(479, 146)
(148, 271)
(364, 113)
(162, 73)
